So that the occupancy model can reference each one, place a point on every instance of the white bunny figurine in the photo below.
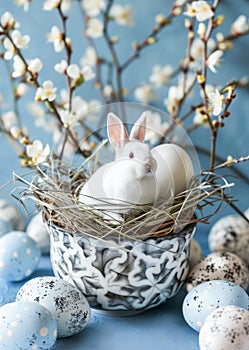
(129, 181)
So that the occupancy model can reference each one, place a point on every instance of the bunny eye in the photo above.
(131, 155)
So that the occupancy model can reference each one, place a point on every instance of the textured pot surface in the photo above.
(124, 279)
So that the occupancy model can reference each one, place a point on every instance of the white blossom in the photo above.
(93, 7)
(123, 15)
(199, 9)
(94, 28)
(196, 51)
(56, 37)
(214, 60)
(160, 75)
(20, 41)
(10, 49)
(19, 67)
(74, 72)
(68, 118)
(200, 118)
(87, 73)
(61, 67)
(46, 92)
(66, 5)
(144, 93)
(21, 89)
(240, 25)
(216, 102)
(37, 152)
(154, 127)
(49, 5)
(8, 21)
(24, 3)
(89, 58)
(35, 65)
(9, 119)
(108, 90)
(15, 131)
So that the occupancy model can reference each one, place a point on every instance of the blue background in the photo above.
(164, 327)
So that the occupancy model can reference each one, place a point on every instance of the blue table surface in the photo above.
(161, 328)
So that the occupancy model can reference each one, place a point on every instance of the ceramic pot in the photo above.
(125, 277)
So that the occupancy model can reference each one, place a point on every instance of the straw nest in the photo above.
(54, 187)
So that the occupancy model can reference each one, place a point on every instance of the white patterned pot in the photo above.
(122, 280)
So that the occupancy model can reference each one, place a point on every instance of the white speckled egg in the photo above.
(9, 213)
(26, 326)
(225, 328)
(4, 227)
(230, 234)
(208, 296)
(38, 231)
(67, 304)
(19, 256)
(219, 266)
(195, 255)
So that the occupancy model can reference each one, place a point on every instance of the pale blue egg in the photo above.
(67, 304)
(25, 326)
(208, 296)
(19, 256)
(5, 227)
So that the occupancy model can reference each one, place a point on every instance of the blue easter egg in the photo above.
(208, 296)
(19, 256)
(25, 326)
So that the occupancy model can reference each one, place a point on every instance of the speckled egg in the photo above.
(9, 213)
(38, 231)
(19, 256)
(219, 266)
(4, 227)
(230, 234)
(195, 255)
(208, 296)
(26, 326)
(67, 304)
(226, 328)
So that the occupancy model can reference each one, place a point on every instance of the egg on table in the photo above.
(208, 296)
(19, 256)
(10, 214)
(225, 328)
(38, 231)
(67, 304)
(219, 266)
(25, 326)
(230, 234)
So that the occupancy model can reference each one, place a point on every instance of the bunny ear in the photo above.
(139, 128)
(117, 133)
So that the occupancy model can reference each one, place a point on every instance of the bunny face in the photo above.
(138, 152)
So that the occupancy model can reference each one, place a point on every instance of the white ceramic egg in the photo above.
(225, 328)
(26, 326)
(208, 296)
(174, 169)
(195, 254)
(38, 231)
(67, 304)
(9, 213)
(230, 234)
(4, 227)
(219, 266)
(19, 256)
